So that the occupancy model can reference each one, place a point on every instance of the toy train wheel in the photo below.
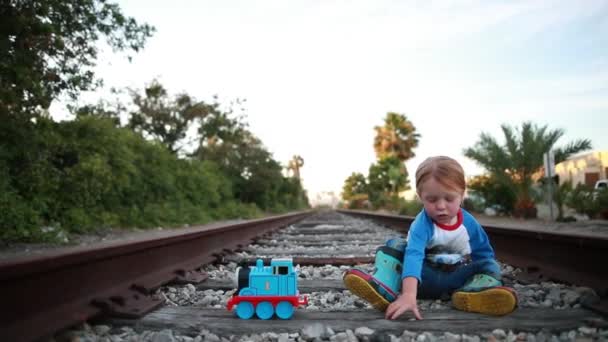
(284, 310)
(264, 310)
(245, 310)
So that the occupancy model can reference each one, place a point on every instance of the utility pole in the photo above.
(549, 163)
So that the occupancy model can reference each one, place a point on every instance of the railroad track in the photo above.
(324, 245)
(45, 293)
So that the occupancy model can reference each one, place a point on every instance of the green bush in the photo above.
(410, 208)
(601, 198)
(237, 210)
(19, 221)
(582, 200)
(474, 204)
(358, 201)
(82, 175)
(495, 194)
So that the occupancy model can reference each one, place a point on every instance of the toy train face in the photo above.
(266, 290)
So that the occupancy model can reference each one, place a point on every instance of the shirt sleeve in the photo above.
(418, 236)
(480, 243)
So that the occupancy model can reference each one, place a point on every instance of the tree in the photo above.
(295, 164)
(103, 109)
(256, 177)
(386, 179)
(394, 143)
(167, 120)
(519, 161)
(354, 185)
(49, 48)
(221, 127)
(397, 138)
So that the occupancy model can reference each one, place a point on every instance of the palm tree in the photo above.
(520, 159)
(397, 138)
(295, 164)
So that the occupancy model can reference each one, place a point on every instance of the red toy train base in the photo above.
(265, 306)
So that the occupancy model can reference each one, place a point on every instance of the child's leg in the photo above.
(437, 283)
(384, 284)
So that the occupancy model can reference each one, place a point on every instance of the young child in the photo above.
(447, 252)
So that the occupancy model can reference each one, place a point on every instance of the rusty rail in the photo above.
(46, 293)
(566, 257)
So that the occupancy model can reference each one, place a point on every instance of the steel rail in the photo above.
(543, 255)
(44, 294)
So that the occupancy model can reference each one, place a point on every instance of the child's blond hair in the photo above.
(445, 170)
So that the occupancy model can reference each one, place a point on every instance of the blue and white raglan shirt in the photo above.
(448, 244)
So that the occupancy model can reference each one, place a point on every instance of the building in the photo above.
(585, 168)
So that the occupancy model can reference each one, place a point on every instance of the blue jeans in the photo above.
(437, 283)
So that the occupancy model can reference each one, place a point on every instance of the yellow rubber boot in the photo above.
(496, 301)
(360, 285)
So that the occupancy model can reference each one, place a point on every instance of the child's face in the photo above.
(441, 203)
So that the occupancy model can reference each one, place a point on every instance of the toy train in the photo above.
(266, 290)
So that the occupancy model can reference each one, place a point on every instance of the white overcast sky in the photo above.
(319, 75)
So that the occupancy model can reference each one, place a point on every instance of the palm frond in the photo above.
(563, 153)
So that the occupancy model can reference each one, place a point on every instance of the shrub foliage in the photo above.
(84, 174)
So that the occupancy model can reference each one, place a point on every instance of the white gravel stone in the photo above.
(363, 331)
(316, 330)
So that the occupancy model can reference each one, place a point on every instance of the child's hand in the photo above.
(405, 302)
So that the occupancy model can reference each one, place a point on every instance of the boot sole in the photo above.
(361, 288)
(496, 301)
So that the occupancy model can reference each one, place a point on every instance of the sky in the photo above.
(319, 75)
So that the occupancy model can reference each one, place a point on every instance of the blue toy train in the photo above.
(266, 290)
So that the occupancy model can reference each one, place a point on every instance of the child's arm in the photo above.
(412, 268)
(479, 241)
(406, 301)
